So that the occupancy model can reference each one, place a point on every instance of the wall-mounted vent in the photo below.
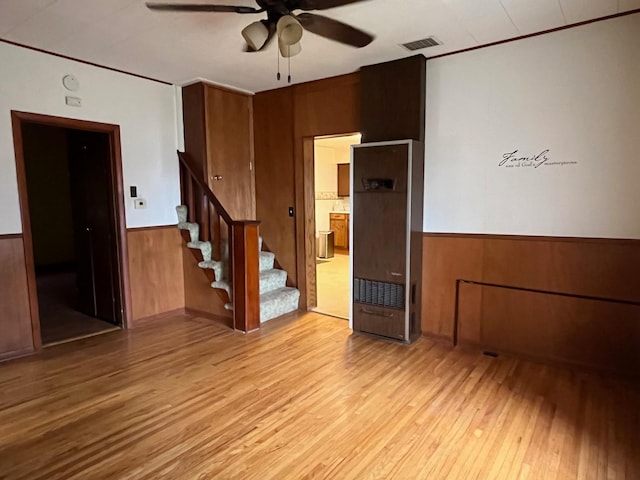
(382, 294)
(424, 43)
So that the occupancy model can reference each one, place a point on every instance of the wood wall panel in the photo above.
(592, 333)
(324, 107)
(535, 323)
(155, 271)
(199, 298)
(285, 122)
(275, 189)
(16, 335)
(442, 263)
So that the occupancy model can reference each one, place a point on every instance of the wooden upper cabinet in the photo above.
(343, 180)
(218, 133)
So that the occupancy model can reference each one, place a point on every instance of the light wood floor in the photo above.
(303, 398)
(332, 280)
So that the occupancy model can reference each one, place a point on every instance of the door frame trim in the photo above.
(18, 119)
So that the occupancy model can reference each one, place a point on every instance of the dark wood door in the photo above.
(94, 225)
(229, 120)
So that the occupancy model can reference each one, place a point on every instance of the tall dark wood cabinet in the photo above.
(218, 134)
(387, 206)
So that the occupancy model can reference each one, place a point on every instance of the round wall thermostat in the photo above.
(70, 82)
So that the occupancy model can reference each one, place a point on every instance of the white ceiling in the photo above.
(181, 47)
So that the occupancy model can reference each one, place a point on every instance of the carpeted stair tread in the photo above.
(204, 247)
(266, 260)
(182, 211)
(272, 279)
(278, 302)
(194, 230)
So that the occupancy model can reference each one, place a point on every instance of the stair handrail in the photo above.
(185, 159)
(243, 241)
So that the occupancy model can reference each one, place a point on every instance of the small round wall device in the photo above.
(70, 82)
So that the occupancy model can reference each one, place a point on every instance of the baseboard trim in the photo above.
(156, 227)
(158, 316)
(227, 321)
(6, 356)
(437, 337)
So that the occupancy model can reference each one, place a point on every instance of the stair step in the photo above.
(181, 210)
(266, 261)
(194, 230)
(204, 247)
(222, 284)
(278, 302)
(272, 279)
(219, 268)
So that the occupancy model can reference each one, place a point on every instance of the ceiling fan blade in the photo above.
(321, 4)
(200, 7)
(334, 30)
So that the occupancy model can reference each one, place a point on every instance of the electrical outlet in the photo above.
(139, 203)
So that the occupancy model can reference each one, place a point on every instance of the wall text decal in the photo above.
(516, 160)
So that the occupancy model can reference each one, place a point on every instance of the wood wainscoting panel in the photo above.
(444, 260)
(155, 270)
(575, 300)
(275, 189)
(592, 333)
(16, 336)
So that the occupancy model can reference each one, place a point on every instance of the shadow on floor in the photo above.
(59, 319)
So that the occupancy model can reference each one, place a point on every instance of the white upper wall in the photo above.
(574, 94)
(145, 110)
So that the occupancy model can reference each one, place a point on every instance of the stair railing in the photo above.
(217, 226)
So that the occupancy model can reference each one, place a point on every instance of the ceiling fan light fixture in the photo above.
(289, 50)
(289, 30)
(255, 34)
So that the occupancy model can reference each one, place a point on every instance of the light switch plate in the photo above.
(139, 203)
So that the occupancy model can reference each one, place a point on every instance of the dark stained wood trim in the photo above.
(10, 236)
(246, 275)
(158, 227)
(543, 32)
(18, 119)
(535, 238)
(66, 57)
(21, 175)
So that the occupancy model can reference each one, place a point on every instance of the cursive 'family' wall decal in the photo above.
(517, 160)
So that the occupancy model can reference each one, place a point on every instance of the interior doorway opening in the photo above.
(71, 215)
(332, 159)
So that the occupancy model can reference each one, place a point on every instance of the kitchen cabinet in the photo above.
(339, 223)
(343, 180)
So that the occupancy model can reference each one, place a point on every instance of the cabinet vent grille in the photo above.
(382, 294)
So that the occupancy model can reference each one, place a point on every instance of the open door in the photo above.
(94, 225)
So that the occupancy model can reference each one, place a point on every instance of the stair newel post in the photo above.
(245, 274)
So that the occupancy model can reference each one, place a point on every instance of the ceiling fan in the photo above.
(282, 21)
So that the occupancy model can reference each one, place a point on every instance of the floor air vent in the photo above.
(382, 294)
(420, 44)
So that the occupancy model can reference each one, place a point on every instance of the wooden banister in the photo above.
(242, 235)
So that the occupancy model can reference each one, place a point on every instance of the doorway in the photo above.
(72, 217)
(331, 164)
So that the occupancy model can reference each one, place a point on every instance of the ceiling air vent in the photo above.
(424, 43)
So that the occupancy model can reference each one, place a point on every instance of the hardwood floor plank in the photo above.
(185, 398)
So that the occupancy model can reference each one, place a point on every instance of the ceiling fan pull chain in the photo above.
(278, 55)
(289, 64)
